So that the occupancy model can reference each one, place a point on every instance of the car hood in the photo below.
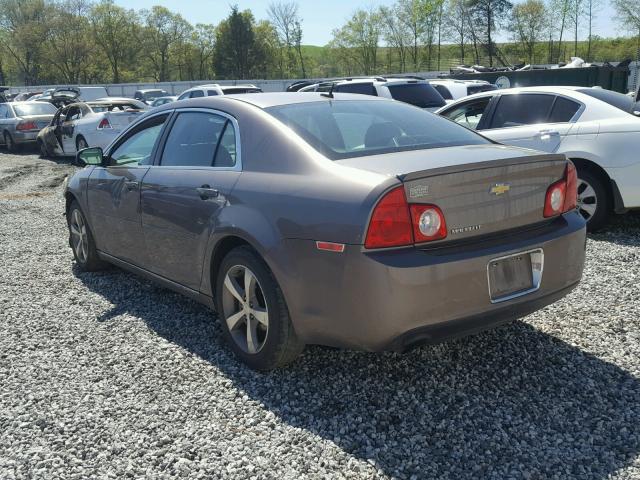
(402, 163)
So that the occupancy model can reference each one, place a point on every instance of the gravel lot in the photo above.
(108, 376)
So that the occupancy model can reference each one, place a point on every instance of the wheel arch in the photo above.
(221, 249)
(612, 190)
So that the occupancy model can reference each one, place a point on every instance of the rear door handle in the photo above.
(206, 192)
(132, 185)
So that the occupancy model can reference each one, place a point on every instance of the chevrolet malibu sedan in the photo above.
(343, 220)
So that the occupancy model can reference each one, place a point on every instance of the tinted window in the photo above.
(471, 89)
(35, 108)
(184, 95)
(443, 91)
(421, 95)
(521, 109)
(468, 114)
(563, 110)
(193, 140)
(211, 93)
(137, 148)
(615, 99)
(197, 93)
(361, 88)
(346, 129)
(231, 91)
(226, 153)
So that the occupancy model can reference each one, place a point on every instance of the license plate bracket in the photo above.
(514, 275)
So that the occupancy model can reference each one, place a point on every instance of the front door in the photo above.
(67, 129)
(114, 193)
(183, 196)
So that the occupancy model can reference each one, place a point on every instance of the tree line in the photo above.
(88, 41)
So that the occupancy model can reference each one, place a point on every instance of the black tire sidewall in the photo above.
(9, 143)
(78, 140)
(93, 262)
(268, 357)
(601, 215)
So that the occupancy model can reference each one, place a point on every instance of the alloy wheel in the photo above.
(79, 237)
(587, 199)
(245, 309)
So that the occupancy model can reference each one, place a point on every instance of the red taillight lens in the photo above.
(562, 196)
(395, 223)
(571, 198)
(104, 123)
(390, 224)
(22, 126)
(428, 223)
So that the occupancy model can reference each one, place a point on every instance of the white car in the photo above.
(599, 130)
(456, 89)
(92, 124)
(413, 90)
(214, 89)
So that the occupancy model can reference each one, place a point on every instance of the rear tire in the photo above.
(81, 241)
(253, 313)
(11, 145)
(594, 203)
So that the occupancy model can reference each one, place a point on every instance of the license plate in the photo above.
(514, 275)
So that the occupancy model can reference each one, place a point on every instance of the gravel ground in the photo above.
(108, 376)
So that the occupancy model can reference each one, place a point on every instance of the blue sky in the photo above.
(320, 17)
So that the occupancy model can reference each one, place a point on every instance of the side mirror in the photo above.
(90, 156)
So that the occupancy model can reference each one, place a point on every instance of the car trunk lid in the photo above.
(503, 188)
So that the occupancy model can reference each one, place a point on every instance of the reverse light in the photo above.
(395, 223)
(104, 123)
(23, 126)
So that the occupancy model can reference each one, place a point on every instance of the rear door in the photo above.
(67, 129)
(531, 120)
(184, 194)
(114, 192)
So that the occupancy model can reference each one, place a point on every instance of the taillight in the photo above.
(395, 223)
(22, 126)
(390, 224)
(562, 196)
(104, 123)
(428, 223)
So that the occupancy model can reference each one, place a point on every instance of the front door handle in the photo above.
(546, 134)
(206, 192)
(131, 185)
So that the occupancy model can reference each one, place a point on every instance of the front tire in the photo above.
(81, 143)
(253, 312)
(82, 242)
(593, 200)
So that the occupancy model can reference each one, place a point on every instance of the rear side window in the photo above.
(193, 140)
(197, 94)
(421, 95)
(563, 110)
(443, 91)
(360, 88)
(211, 93)
(521, 109)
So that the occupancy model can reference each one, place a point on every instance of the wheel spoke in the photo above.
(588, 192)
(589, 208)
(234, 320)
(232, 287)
(261, 315)
(249, 284)
(74, 229)
(252, 336)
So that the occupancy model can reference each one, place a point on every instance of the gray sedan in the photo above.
(342, 220)
(20, 122)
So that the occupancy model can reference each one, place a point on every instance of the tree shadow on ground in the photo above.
(510, 403)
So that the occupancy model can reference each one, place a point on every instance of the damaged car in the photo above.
(91, 124)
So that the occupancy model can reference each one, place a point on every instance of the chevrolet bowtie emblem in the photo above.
(500, 188)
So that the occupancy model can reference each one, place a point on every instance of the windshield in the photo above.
(346, 129)
(421, 95)
(35, 108)
(615, 99)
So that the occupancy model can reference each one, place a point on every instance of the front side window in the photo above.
(197, 94)
(184, 95)
(138, 147)
(421, 95)
(468, 114)
(194, 140)
(521, 109)
(212, 93)
(353, 128)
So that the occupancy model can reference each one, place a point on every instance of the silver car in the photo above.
(20, 122)
(343, 220)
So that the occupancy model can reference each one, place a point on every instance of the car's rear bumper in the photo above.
(397, 299)
(24, 137)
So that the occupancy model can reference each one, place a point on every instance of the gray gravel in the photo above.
(108, 376)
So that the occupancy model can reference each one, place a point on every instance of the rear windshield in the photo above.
(35, 108)
(355, 128)
(232, 91)
(615, 99)
(115, 107)
(421, 95)
(153, 94)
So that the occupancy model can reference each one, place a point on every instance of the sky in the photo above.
(319, 17)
